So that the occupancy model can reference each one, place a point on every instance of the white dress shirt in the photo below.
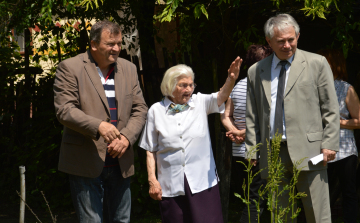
(275, 72)
(182, 144)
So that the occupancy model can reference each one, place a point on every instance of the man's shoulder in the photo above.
(309, 56)
(125, 63)
(73, 61)
(262, 64)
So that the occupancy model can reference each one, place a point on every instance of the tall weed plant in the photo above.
(273, 190)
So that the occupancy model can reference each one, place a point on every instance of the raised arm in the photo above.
(154, 185)
(353, 105)
(233, 74)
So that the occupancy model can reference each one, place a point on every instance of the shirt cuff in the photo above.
(221, 109)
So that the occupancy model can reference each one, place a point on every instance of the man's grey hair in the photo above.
(280, 22)
(97, 29)
(171, 78)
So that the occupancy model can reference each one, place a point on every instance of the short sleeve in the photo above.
(149, 136)
(211, 104)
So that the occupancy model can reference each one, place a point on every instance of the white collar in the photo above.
(276, 60)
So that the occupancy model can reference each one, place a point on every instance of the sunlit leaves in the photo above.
(90, 3)
(169, 11)
(199, 9)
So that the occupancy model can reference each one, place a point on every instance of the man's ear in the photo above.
(93, 45)
(268, 41)
(298, 36)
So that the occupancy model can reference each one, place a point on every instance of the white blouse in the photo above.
(182, 144)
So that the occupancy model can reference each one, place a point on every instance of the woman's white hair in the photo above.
(281, 22)
(171, 78)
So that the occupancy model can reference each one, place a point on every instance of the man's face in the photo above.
(284, 43)
(108, 50)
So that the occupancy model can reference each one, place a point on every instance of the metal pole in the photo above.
(22, 193)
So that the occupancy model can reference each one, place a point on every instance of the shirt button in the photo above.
(179, 124)
(184, 164)
(180, 137)
(183, 150)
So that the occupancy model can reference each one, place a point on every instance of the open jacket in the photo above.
(81, 105)
(310, 107)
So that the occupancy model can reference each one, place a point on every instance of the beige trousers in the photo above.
(314, 184)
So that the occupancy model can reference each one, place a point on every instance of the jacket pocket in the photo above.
(315, 136)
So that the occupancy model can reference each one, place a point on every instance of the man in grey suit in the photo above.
(99, 101)
(292, 92)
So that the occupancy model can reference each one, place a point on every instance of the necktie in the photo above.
(278, 123)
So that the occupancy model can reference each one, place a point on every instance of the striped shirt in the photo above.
(109, 87)
(347, 145)
(238, 96)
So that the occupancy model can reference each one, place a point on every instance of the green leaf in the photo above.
(197, 11)
(203, 10)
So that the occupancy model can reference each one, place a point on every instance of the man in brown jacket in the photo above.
(99, 101)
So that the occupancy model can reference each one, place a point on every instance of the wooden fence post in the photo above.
(223, 165)
(22, 193)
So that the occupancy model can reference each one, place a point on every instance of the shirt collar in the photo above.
(276, 60)
(111, 65)
(167, 102)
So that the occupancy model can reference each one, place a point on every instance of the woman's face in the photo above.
(183, 90)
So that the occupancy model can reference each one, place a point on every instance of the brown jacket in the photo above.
(81, 105)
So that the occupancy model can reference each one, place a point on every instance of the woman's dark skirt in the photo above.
(202, 207)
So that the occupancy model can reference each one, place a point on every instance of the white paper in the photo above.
(317, 159)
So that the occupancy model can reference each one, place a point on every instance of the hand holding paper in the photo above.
(326, 155)
(317, 159)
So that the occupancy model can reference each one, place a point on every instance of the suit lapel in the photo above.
(265, 76)
(95, 79)
(297, 67)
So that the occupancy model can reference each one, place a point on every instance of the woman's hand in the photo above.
(155, 190)
(237, 136)
(234, 69)
(154, 185)
(233, 74)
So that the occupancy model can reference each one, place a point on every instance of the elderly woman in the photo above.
(344, 165)
(177, 140)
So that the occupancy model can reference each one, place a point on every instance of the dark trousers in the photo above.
(344, 171)
(202, 207)
(254, 188)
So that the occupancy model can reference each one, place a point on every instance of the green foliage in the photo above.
(169, 12)
(90, 3)
(246, 188)
(276, 171)
(318, 7)
(276, 176)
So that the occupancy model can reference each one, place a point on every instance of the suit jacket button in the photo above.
(108, 119)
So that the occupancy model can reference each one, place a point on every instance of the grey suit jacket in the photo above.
(310, 107)
(81, 105)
